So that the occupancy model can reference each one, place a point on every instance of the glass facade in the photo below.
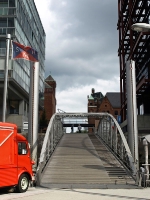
(20, 19)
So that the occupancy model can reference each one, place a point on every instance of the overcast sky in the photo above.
(81, 48)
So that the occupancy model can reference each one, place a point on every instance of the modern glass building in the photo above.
(20, 19)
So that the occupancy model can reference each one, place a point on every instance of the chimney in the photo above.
(93, 90)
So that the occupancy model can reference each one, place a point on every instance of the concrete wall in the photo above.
(143, 122)
(17, 119)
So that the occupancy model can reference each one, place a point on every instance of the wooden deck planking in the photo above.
(75, 161)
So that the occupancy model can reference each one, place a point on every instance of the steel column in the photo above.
(131, 110)
(35, 112)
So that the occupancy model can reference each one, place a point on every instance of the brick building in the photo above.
(49, 97)
(109, 103)
(48, 101)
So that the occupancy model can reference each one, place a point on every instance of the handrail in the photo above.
(53, 134)
(111, 133)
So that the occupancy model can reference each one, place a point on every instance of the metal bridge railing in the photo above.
(111, 134)
(53, 134)
(108, 130)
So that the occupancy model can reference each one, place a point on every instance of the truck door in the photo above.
(24, 162)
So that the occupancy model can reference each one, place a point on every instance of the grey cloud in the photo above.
(88, 17)
(81, 49)
(86, 49)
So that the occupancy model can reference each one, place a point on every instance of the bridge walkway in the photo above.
(80, 162)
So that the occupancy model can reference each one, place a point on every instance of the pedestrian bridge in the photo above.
(79, 160)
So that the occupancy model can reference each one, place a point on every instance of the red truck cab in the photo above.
(15, 162)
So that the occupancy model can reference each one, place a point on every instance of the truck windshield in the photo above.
(22, 148)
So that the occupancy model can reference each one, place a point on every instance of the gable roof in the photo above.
(114, 99)
(49, 78)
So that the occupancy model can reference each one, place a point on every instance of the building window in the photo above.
(2, 43)
(116, 112)
(11, 3)
(11, 22)
(3, 22)
(1, 73)
(4, 3)
(14, 107)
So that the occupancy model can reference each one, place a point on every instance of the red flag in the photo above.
(24, 52)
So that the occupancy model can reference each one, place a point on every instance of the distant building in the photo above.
(109, 103)
(49, 97)
(48, 101)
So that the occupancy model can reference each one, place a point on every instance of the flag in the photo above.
(24, 52)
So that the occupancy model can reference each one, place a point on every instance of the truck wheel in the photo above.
(23, 183)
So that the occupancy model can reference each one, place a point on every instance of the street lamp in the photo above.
(141, 27)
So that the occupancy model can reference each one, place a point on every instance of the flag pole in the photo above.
(35, 113)
(8, 38)
(30, 118)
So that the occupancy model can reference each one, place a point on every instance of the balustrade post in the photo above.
(49, 146)
(58, 129)
(107, 131)
(111, 130)
(102, 131)
(54, 133)
(52, 138)
(115, 138)
(99, 129)
(121, 148)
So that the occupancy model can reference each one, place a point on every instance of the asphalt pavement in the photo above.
(37, 193)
